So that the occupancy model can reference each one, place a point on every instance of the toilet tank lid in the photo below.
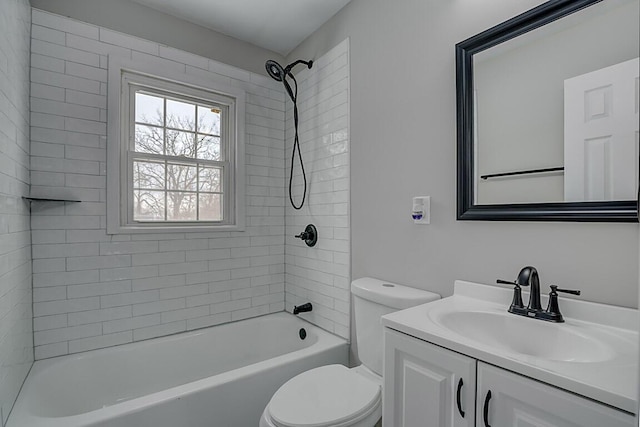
(390, 294)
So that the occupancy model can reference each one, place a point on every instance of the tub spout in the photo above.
(302, 308)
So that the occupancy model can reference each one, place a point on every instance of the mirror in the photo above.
(548, 115)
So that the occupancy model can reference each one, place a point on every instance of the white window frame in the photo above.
(126, 76)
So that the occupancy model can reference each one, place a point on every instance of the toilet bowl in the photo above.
(328, 396)
(334, 395)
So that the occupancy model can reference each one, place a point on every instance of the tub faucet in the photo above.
(302, 308)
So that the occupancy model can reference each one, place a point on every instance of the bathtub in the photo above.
(222, 376)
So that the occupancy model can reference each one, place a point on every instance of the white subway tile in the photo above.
(112, 274)
(46, 63)
(103, 315)
(184, 57)
(158, 258)
(64, 278)
(231, 306)
(65, 53)
(184, 267)
(123, 40)
(65, 334)
(158, 306)
(65, 306)
(188, 313)
(160, 330)
(96, 48)
(97, 262)
(51, 350)
(206, 321)
(208, 299)
(53, 293)
(55, 321)
(128, 298)
(67, 25)
(102, 341)
(98, 289)
(130, 323)
(184, 291)
(86, 71)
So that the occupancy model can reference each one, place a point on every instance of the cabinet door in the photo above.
(426, 385)
(508, 399)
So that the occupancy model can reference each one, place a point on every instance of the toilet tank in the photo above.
(372, 299)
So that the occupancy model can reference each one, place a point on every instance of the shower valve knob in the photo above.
(309, 235)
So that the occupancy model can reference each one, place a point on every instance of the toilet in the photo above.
(334, 395)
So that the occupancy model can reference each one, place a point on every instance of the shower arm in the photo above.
(287, 70)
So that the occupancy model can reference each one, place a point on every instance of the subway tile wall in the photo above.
(321, 274)
(16, 344)
(93, 290)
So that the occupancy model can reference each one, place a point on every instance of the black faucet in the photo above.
(302, 308)
(528, 276)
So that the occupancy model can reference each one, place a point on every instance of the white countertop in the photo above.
(612, 381)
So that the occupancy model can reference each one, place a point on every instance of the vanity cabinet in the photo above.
(508, 399)
(421, 390)
(426, 385)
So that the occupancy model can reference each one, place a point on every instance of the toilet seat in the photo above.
(330, 395)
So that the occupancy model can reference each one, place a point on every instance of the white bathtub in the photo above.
(222, 376)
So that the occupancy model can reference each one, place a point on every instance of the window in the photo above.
(177, 157)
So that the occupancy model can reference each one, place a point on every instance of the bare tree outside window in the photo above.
(177, 162)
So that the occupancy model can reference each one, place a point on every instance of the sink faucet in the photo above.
(528, 276)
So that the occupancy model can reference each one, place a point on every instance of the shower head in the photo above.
(278, 73)
(275, 70)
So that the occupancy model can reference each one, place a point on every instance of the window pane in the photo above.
(181, 206)
(148, 205)
(181, 115)
(148, 139)
(148, 175)
(210, 207)
(209, 147)
(149, 109)
(209, 120)
(210, 179)
(181, 177)
(181, 144)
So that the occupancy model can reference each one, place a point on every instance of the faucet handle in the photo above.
(554, 288)
(553, 314)
(508, 282)
(516, 304)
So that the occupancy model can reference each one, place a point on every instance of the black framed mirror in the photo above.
(533, 95)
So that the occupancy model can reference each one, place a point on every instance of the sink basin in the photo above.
(515, 334)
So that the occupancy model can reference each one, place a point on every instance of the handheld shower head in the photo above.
(275, 70)
(280, 74)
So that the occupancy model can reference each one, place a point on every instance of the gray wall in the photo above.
(142, 21)
(403, 144)
(16, 342)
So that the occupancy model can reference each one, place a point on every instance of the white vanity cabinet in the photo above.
(426, 385)
(421, 390)
(508, 399)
